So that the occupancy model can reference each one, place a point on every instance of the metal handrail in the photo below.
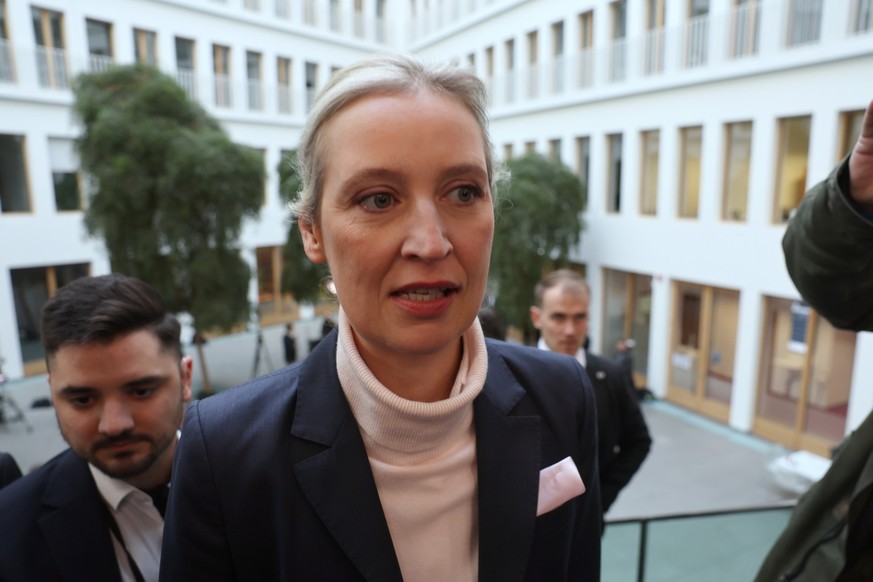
(644, 524)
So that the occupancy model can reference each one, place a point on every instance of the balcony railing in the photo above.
(617, 60)
(696, 41)
(255, 95)
(51, 68)
(653, 57)
(310, 15)
(283, 9)
(585, 68)
(7, 68)
(745, 23)
(712, 545)
(185, 78)
(861, 16)
(804, 22)
(557, 69)
(223, 91)
(99, 63)
(283, 99)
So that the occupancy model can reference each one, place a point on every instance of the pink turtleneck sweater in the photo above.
(423, 457)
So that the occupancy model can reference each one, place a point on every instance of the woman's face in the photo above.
(406, 221)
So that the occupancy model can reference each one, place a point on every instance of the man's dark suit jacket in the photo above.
(52, 526)
(623, 436)
(271, 480)
(9, 470)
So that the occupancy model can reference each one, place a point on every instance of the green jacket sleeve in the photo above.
(829, 253)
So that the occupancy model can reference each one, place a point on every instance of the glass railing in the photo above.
(713, 545)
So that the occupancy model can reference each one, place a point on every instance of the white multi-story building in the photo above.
(696, 126)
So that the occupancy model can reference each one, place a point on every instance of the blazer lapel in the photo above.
(74, 528)
(338, 481)
(508, 459)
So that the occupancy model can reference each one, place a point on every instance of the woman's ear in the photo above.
(312, 243)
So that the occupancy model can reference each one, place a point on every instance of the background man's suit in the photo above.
(9, 470)
(52, 526)
(624, 439)
(272, 481)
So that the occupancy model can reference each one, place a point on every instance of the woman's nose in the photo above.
(426, 236)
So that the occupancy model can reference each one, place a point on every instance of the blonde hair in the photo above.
(383, 75)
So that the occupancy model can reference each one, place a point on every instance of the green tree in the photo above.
(538, 223)
(170, 192)
(300, 276)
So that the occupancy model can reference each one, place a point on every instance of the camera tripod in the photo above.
(9, 409)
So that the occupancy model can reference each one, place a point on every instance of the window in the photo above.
(274, 306)
(509, 49)
(221, 69)
(649, 178)
(283, 9)
(311, 82)
(7, 69)
(654, 38)
(31, 288)
(628, 313)
(583, 161)
(745, 24)
(99, 45)
(850, 129)
(555, 150)
(738, 137)
(791, 165)
(507, 151)
(613, 186)
(471, 61)
(533, 79)
(145, 47)
(618, 46)
(65, 174)
(253, 5)
(806, 375)
(697, 33)
(253, 75)
(861, 19)
(703, 348)
(51, 60)
(530, 147)
(804, 22)
(558, 57)
(689, 174)
(283, 72)
(14, 195)
(381, 33)
(586, 49)
(185, 75)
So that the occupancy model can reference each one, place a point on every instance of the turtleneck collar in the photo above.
(404, 431)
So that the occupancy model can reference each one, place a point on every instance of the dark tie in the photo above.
(159, 498)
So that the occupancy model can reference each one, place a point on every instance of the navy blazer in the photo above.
(52, 526)
(9, 470)
(623, 436)
(271, 480)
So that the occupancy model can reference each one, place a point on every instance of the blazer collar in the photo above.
(508, 458)
(73, 525)
(338, 481)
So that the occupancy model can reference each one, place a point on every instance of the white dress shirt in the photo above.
(580, 353)
(140, 524)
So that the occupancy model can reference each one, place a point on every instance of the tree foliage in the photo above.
(538, 223)
(170, 191)
(300, 276)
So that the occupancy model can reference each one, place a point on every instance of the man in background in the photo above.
(119, 384)
(561, 315)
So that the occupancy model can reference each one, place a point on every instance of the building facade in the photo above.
(695, 125)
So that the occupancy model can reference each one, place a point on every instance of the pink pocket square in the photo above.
(558, 484)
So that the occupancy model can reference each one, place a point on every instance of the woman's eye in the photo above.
(465, 194)
(379, 201)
